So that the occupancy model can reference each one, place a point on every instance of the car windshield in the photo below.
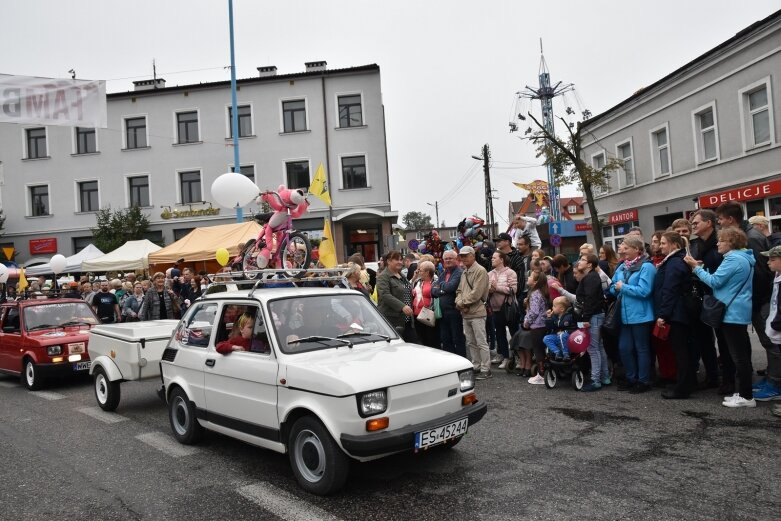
(315, 322)
(61, 314)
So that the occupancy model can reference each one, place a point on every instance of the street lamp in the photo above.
(436, 210)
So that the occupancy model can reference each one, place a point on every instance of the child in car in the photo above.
(560, 324)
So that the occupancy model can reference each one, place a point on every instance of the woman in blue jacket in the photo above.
(633, 283)
(673, 277)
(732, 285)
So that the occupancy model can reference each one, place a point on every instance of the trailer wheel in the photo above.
(107, 393)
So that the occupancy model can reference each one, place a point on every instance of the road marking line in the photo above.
(46, 395)
(168, 445)
(8, 385)
(100, 414)
(283, 504)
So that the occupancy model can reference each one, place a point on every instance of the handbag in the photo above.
(661, 332)
(692, 301)
(713, 310)
(437, 309)
(426, 317)
(510, 309)
(612, 324)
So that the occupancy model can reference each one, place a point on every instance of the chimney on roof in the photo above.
(315, 66)
(268, 70)
(158, 83)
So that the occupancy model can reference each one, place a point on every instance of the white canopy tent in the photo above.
(73, 263)
(133, 255)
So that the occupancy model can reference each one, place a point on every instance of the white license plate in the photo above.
(81, 366)
(76, 348)
(437, 435)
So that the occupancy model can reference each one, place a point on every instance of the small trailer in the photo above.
(124, 352)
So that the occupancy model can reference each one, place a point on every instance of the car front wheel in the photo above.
(31, 376)
(318, 462)
(107, 393)
(181, 413)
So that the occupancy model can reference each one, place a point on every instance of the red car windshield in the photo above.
(61, 314)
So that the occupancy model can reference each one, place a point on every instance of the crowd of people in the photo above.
(656, 309)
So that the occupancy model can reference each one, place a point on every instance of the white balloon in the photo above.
(3, 273)
(231, 190)
(58, 263)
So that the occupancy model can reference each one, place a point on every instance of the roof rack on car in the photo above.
(237, 280)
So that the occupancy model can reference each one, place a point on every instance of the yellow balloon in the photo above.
(222, 256)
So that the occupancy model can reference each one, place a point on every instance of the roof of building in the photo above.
(249, 81)
(745, 33)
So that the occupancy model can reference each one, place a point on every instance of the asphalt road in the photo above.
(538, 454)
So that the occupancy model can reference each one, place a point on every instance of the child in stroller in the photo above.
(560, 324)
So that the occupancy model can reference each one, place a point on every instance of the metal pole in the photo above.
(234, 110)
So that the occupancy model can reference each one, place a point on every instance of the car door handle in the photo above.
(210, 362)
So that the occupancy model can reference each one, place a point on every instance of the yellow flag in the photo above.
(327, 249)
(319, 186)
(22, 284)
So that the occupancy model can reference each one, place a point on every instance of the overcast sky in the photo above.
(450, 69)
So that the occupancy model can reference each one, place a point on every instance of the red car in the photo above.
(41, 338)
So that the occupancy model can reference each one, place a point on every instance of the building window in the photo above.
(187, 126)
(297, 174)
(294, 115)
(181, 232)
(247, 170)
(572, 209)
(757, 113)
(36, 142)
(706, 134)
(245, 121)
(39, 200)
(350, 111)
(138, 187)
(79, 243)
(86, 140)
(190, 185)
(135, 129)
(661, 151)
(354, 172)
(88, 196)
(598, 162)
(624, 152)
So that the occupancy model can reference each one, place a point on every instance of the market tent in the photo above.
(130, 256)
(73, 263)
(202, 243)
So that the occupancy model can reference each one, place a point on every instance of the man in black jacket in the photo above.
(703, 248)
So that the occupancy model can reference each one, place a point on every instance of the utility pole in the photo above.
(436, 212)
(489, 200)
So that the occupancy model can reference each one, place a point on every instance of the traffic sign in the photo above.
(554, 227)
(413, 245)
(555, 240)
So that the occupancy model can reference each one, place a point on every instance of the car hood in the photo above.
(59, 336)
(345, 371)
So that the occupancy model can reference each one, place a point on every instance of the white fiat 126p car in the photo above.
(315, 372)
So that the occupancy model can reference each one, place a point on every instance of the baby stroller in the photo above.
(577, 368)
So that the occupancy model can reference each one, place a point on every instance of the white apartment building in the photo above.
(164, 146)
(702, 135)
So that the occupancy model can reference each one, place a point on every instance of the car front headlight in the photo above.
(372, 402)
(467, 380)
(54, 350)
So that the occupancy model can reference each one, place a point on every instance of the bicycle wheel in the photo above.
(296, 255)
(248, 262)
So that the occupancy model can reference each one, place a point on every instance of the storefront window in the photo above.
(774, 205)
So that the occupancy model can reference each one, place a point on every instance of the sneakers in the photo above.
(537, 380)
(484, 375)
(497, 359)
(759, 384)
(590, 388)
(503, 364)
(625, 386)
(737, 400)
(639, 388)
(606, 382)
(767, 393)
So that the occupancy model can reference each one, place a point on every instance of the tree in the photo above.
(565, 156)
(115, 228)
(417, 221)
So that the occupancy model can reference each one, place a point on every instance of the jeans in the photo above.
(474, 331)
(557, 343)
(500, 326)
(634, 345)
(758, 319)
(451, 330)
(600, 371)
(739, 345)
